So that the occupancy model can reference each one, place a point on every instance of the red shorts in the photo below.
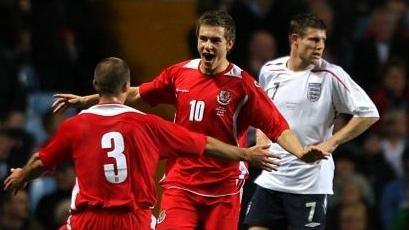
(181, 209)
(108, 219)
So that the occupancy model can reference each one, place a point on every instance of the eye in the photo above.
(215, 40)
(203, 38)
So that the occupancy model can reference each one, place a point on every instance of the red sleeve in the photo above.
(260, 112)
(58, 149)
(160, 90)
(173, 140)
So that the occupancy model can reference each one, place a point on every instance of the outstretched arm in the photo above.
(355, 127)
(63, 101)
(19, 177)
(289, 141)
(259, 156)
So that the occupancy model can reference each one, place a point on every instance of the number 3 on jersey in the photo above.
(115, 141)
(196, 110)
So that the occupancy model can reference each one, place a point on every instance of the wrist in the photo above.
(244, 154)
(299, 153)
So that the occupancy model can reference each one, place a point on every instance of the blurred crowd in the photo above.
(50, 45)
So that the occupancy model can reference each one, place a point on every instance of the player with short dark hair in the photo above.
(115, 150)
(310, 92)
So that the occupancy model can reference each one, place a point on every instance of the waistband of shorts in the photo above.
(102, 210)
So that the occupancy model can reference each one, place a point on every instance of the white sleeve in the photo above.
(349, 97)
(262, 77)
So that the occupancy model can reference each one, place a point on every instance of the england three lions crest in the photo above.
(314, 91)
(224, 97)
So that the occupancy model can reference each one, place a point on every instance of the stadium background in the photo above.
(49, 46)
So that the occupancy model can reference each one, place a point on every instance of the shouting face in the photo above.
(213, 48)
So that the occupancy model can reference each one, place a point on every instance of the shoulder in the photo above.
(335, 73)
(181, 67)
(278, 64)
(187, 64)
(325, 67)
(273, 68)
(236, 72)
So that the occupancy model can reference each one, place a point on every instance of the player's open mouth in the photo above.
(208, 56)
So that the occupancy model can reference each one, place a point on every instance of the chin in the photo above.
(315, 61)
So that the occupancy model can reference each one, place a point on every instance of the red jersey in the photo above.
(222, 106)
(115, 150)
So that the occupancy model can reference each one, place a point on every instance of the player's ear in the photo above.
(94, 84)
(126, 86)
(229, 45)
(293, 38)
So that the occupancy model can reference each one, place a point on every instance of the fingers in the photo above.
(61, 108)
(8, 184)
(65, 96)
(269, 167)
(272, 155)
(63, 101)
(59, 105)
(270, 162)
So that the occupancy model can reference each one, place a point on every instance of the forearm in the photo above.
(288, 140)
(261, 138)
(219, 149)
(355, 127)
(33, 169)
(89, 100)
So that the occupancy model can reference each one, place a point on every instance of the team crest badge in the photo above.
(224, 97)
(314, 91)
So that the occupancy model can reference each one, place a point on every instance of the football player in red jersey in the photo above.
(115, 150)
(217, 98)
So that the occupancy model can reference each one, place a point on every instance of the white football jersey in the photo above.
(309, 100)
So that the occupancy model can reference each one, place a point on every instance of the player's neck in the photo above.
(112, 100)
(218, 69)
(297, 64)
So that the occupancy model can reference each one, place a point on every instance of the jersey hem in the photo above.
(207, 195)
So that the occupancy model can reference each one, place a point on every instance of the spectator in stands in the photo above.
(377, 48)
(394, 141)
(395, 197)
(14, 212)
(65, 181)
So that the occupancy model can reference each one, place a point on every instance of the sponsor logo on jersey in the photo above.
(162, 216)
(314, 91)
(224, 97)
(312, 225)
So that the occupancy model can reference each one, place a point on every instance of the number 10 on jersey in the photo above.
(196, 110)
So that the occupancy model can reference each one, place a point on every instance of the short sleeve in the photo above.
(174, 140)
(160, 90)
(58, 149)
(349, 97)
(262, 77)
(260, 112)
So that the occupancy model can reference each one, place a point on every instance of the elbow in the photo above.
(372, 120)
(367, 122)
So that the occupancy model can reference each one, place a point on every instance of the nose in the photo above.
(208, 44)
(320, 45)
